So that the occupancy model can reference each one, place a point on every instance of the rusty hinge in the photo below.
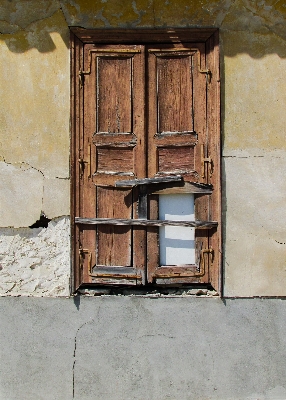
(205, 160)
(82, 163)
(208, 74)
(81, 78)
(202, 259)
(82, 253)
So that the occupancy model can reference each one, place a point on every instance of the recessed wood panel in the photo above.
(114, 160)
(114, 242)
(114, 93)
(175, 103)
(176, 159)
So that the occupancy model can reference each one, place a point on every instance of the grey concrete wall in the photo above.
(121, 348)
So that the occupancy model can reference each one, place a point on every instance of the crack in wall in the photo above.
(74, 352)
(46, 205)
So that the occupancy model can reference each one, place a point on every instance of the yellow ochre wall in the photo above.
(35, 134)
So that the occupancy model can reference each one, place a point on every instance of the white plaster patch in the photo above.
(254, 237)
(35, 262)
(56, 199)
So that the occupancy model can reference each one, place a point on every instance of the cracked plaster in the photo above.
(34, 115)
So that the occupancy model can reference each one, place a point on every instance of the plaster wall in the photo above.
(34, 124)
(120, 347)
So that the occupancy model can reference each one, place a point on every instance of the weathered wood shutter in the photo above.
(177, 144)
(144, 110)
(113, 148)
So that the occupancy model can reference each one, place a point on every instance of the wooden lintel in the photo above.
(142, 222)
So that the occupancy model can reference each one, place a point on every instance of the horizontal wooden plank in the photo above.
(169, 35)
(118, 281)
(115, 272)
(141, 222)
(174, 271)
(148, 181)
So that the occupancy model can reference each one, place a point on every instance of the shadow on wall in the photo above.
(252, 27)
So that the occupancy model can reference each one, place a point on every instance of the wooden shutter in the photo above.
(112, 147)
(145, 104)
(178, 143)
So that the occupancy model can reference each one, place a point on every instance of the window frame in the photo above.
(210, 37)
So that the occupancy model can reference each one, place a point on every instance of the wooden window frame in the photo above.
(211, 157)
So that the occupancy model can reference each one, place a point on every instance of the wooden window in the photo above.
(145, 157)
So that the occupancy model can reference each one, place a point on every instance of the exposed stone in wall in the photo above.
(35, 261)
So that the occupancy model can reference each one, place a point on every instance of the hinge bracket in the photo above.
(202, 260)
(82, 253)
(82, 163)
(208, 74)
(207, 160)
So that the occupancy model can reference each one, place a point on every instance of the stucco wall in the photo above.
(34, 123)
(132, 348)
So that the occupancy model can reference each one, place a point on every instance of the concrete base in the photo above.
(116, 347)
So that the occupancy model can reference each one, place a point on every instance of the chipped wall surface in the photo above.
(34, 128)
(34, 261)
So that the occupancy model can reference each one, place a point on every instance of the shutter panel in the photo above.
(113, 144)
(109, 145)
(177, 139)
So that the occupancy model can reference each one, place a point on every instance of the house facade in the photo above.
(71, 334)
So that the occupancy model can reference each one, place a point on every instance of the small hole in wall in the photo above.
(42, 222)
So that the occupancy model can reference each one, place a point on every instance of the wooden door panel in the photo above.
(114, 93)
(177, 110)
(174, 92)
(114, 139)
(114, 243)
(177, 129)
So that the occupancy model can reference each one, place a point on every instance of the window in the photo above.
(145, 157)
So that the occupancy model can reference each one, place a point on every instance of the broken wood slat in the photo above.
(142, 222)
(188, 187)
(115, 272)
(148, 181)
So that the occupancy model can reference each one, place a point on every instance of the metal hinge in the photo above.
(82, 163)
(81, 78)
(205, 160)
(82, 253)
(208, 74)
(202, 259)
